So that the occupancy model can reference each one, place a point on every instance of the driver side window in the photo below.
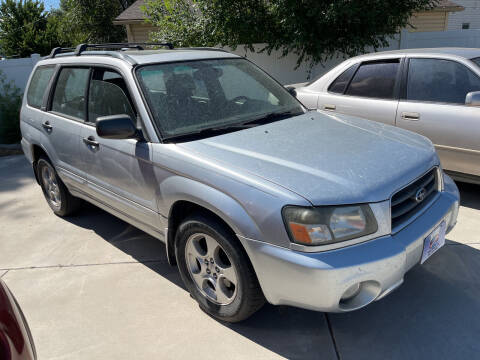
(108, 95)
(69, 96)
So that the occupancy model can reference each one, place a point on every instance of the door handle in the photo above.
(412, 116)
(329, 107)
(46, 125)
(91, 141)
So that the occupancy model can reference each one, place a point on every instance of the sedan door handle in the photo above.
(329, 107)
(412, 116)
(46, 125)
(91, 141)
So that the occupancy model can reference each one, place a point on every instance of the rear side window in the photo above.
(38, 85)
(341, 82)
(70, 91)
(443, 81)
(375, 79)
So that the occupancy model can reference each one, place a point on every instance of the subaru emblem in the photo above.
(420, 195)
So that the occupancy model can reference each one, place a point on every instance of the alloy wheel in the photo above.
(50, 185)
(211, 269)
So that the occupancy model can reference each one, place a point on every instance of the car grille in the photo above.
(412, 199)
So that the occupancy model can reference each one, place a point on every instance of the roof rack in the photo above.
(58, 50)
(105, 50)
(117, 46)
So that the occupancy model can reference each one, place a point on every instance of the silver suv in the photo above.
(255, 197)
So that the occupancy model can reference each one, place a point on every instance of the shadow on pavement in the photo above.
(435, 314)
(469, 195)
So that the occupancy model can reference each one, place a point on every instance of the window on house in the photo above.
(465, 26)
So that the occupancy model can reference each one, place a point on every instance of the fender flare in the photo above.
(177, 188)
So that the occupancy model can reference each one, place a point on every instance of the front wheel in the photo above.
(216, 270)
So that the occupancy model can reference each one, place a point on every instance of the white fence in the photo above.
(18, 70)
(455, 38)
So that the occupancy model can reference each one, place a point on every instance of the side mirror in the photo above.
(291, 90)
(116, 127)
(473, 98)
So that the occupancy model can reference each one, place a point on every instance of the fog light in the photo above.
(351, 292)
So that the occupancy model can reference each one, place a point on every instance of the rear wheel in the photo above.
(57, 195)
(216, 270)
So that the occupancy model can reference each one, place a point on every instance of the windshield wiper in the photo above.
(264, 119)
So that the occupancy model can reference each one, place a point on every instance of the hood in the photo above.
(327, 159)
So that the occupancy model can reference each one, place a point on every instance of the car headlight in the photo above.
(313, 226)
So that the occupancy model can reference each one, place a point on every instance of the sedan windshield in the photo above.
(207, 97)
(477, 61)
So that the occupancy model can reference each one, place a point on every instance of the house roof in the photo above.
(135, 14)
(450, 6)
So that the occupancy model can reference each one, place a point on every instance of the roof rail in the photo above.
(203, 48)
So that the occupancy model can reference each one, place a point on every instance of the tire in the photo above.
(57, 195)
(230, 292)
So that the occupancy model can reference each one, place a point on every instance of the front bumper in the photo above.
(317, 281)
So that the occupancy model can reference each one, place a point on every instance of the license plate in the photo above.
(434, 241)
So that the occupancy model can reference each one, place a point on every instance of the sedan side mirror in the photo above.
(473, 98)
(291, 90)
(116, 127)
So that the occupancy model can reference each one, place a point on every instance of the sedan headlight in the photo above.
(315, 226)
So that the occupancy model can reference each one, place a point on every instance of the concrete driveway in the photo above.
(93, 287)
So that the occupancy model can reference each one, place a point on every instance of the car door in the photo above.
(368, 90)
(433, 104)
(119, 171)
(63, 123)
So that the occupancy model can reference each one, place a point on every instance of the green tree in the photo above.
(314, 30)
(91, 21)
(26, 28)
(10, 102)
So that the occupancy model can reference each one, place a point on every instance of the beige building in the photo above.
(133, 19)
(434, 20)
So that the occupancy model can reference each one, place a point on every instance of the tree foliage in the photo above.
(26, 28)
(312, 29)
(91, 21)
(10, 102)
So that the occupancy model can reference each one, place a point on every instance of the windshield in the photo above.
(476, 61)
(197, 96)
